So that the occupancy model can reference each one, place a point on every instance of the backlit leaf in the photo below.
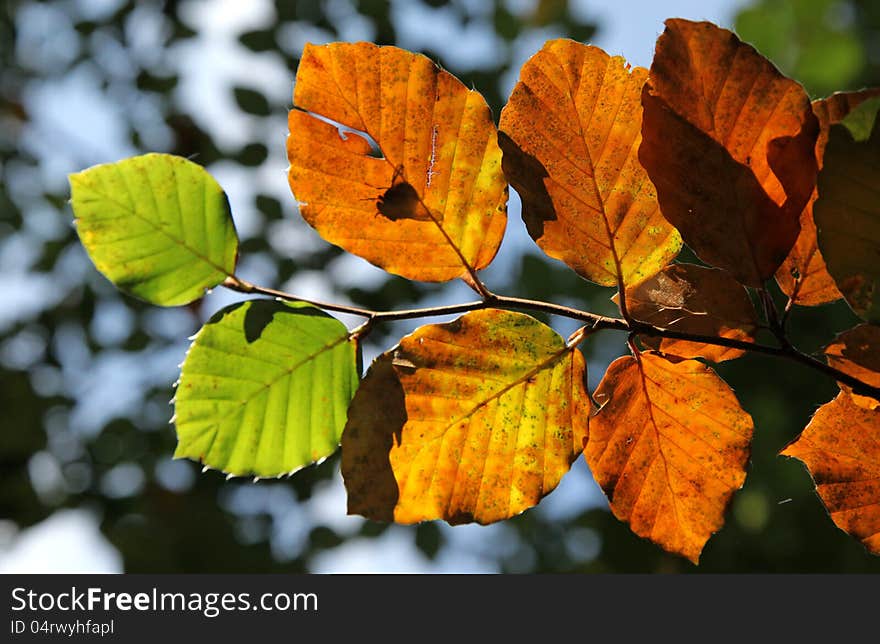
(474, 420)
(847, 212)
(841, 449)
(669, 448)
(862, 119)
(729, 144)
(437, 197)
(696, 300)
(803, 275)
(264, 388)
(570, 134)
(158, 226)
(857, 352)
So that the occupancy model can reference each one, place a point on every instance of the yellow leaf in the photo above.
(669, 448)
(436, 201)
(474, 420)
(841, 449)
(570, 134)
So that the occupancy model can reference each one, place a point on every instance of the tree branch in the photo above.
(594, 322)
(240, 285)
(788, 352)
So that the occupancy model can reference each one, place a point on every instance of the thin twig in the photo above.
(771, 314)
(787, 352)
(792, 298)
(597, 321)
(594, 323)
(240, 285)
(786, 312)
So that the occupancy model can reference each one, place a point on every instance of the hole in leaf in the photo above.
(344, 131)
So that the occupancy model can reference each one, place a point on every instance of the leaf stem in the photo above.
(594, 322)
(786, 312)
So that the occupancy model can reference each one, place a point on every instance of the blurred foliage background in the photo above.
(87, 373)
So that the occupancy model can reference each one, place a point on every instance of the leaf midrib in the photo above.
(582, 130)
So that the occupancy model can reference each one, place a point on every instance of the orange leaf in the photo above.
(436, 200)
(857, 352)
(570, 133)
(728, 142)
(696, 300)
(841, 449)
(669, 448)
(474, 420)
(803, 275)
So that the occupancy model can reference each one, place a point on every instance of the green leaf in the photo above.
(264, 389)
(158, 226)
(847, 212)
(860, 122)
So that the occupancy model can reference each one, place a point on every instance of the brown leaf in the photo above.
(669, 448)
(696, 300)
(474, 420)
(857, 352)
(841, 449)
(728, 142)
(435, 200)
(803, 275)
(570, 134)
(847, 210)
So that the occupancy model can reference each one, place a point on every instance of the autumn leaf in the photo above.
(841, 449)
(570, 134)
(433, 201)
(669, 447)
(158, 226)
(474, 420)
(264, 389)
(803, 275)
(729, 143)
(695, 300)
(847, 212)
(857, 352)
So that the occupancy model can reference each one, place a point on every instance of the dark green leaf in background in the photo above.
(847, 211)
